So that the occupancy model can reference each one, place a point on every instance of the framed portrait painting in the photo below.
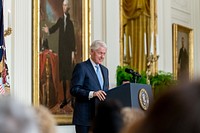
(60, 40)
(182, 52)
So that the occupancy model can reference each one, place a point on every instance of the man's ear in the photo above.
(91, 51)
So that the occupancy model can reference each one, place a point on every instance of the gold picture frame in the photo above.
(82, 30)
(182, 58)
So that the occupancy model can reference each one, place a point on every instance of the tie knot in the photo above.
(98, 70)
(97, 67)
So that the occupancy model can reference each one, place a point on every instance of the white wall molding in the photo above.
(165, 35)
(196, 29)
(181, 17)
(22, 51)
(113, 38)
(181, 5)
(96, 19)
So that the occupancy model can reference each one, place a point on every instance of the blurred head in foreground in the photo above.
(177, 111)
(16, 117)
(45, 119)
(108, 117)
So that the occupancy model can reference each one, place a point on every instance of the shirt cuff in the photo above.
(90, 94)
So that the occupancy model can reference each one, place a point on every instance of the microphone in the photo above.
(131, 71)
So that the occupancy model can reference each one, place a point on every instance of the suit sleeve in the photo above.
(77, 83)
(107, 80)
(179, 56)
(55, 26)
(72, 36)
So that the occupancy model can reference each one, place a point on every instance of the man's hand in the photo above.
(100, 94)
(45, 29)
(73, 57)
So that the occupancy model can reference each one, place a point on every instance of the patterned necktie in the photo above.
(98, 72)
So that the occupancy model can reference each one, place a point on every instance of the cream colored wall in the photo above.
(105, 26)
(21, 50)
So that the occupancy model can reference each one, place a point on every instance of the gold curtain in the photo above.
(137, 27)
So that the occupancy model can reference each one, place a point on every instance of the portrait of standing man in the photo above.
(183, 62)
(183, 45)
(66, 49)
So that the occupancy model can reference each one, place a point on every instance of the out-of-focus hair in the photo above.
(16, 117)
(45, 119)
(132, 115)
(108, 117)
(177, 111)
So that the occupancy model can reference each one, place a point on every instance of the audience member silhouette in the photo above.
(16, 117)
(177, 111)
(45, 119)
(108, 118)
(132, 115)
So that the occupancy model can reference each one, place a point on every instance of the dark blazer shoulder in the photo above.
(83, 64)
(103, 67)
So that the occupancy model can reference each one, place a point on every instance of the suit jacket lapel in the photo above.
(93, 73)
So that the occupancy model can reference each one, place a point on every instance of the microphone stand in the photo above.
(135, 77)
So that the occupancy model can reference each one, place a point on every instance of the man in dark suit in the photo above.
(86, 86)
(183, 61)
(66, 48)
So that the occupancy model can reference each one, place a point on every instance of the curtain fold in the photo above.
(137, 30)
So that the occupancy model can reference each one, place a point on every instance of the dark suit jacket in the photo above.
(183, 59)
(84, 80)
(66, 46)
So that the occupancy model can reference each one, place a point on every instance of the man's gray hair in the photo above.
(66, 1)
(97, 44)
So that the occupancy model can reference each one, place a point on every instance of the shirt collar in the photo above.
(65, 16)
(93, 64)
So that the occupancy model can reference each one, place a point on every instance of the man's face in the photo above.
(98, 55)
(65, 6)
